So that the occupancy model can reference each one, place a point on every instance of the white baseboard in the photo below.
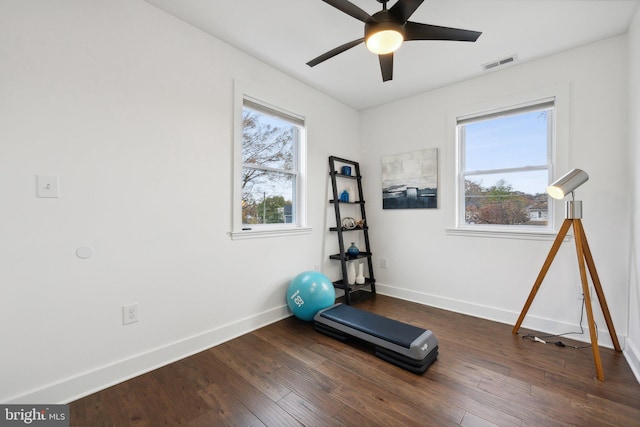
(632, 354)
(548, 326)
(102, 377)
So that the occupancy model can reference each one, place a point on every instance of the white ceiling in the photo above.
(286, 34)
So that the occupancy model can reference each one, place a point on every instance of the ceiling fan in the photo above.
(384, 31)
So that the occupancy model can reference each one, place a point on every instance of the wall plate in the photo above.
(47, 186)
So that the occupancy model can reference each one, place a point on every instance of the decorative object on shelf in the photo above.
(360, 223)
(344, 196)
(360, 276)
(353, 250)
(349, 223)
(346, 170)
(410, 180)
(352, 195)
(351, 272)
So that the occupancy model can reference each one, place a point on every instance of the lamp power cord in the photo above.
(544, 339)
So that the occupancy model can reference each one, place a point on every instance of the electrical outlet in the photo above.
(129, 314)
(384, 263)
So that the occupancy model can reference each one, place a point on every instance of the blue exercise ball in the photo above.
(308, 293)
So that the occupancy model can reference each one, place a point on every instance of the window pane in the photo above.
(269, 179)
(507, 142)
(267, 197)
(268, 141)
(517, 198)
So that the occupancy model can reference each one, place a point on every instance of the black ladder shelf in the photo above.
(352, 291)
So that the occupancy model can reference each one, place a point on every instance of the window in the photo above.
(271, 183)
(504, 166)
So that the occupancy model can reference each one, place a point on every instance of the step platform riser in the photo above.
(401, 344)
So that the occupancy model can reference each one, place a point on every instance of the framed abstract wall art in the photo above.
(410, 180)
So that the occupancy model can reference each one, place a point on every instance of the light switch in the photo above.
(47, 186)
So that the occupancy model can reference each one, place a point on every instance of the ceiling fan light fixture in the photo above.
(384, 41)
(384, 35)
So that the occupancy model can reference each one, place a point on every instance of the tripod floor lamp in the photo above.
(573, 217)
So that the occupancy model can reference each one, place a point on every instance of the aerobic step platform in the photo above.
(406, 346)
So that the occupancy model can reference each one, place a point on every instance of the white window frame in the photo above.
(299, 226)
(558, 151)
(542, 105)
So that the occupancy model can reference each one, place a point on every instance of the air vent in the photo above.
(499, 62)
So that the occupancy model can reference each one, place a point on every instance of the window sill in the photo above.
(505, 234)
(264, 233)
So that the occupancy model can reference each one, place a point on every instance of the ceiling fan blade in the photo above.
(334, 52)
(386, 66)
(417, 31)
(403, 9)
(350, 9)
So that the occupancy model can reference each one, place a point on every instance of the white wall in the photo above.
(632, 350)
(492, 277)
(132, 109)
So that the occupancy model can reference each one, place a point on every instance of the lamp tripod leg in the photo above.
(598, 288)
(585, 260)
(579, 233)
(543, 272)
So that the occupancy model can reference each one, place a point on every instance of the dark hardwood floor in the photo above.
(287, 374)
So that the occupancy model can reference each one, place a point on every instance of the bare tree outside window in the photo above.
(500, 204)
(268, 168)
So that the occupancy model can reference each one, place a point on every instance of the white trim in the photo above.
(269, 109)
(506, 111)
(560, 149)
(256, 95)
(89, 382)
(504, 234)
(262, 233)
(632, 354)
(97, 379)
(495, 314)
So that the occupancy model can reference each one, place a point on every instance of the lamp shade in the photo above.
(567, 183)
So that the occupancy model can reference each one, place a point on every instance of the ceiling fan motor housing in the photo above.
(383, 20)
